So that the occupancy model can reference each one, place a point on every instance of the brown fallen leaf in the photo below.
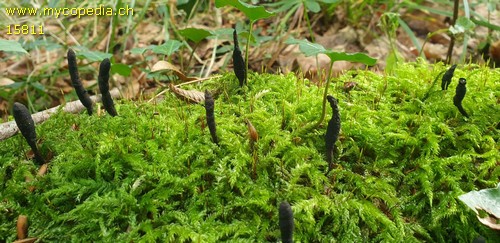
(490, 220)
(22, 227)
(495, 53)
(6, 81)
(42, 171)
(192, 96)
(162, 66)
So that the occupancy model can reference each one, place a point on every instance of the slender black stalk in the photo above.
(103, 80)
(209, 108)
(238, 61)
(77, 84)
(432, 86)
(452, 41)
(459, 96)
(26, 125)
(448, 75)
(286, 222)
(332, 131)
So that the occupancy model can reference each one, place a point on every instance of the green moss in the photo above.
(153, 172)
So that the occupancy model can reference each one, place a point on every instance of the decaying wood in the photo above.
(8, 129)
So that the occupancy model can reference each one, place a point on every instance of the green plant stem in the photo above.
(192, 54)
(193, 10)
(432, 85)
(323, 111)
(112, 42)
(309, 27)
(428, 37)
(246, 50)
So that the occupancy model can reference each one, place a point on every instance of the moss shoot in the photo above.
(153, 173)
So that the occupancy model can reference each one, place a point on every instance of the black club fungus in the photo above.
(332, 131)
(239, 62)
(209, 108)
(460, 95)
(26, 125)
(103, 80)
(77, 84)
(286, 222)
(448, 75)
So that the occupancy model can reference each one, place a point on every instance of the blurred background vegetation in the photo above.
(195, 37)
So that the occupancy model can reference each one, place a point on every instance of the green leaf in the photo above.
(251, 11)
(351, 57)
(312, 49)
(15, 85)
(168, 48)
(312, 6)
(222, 33)
(13, 46)
(330, 1)
(121, 69)
(38, 86)
(195, 34)
(486, 24)
(306, 47)
(92, 56)
(248, 37)
(462, 25)
(391, 61)
(139, 50)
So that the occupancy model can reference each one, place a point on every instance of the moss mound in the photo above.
(152, 173)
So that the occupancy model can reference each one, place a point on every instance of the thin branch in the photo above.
(9, 129)
(452, 42)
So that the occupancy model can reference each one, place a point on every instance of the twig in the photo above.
(9, 129)
(452, 42)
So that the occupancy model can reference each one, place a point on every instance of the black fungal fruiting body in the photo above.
(447, 76)
(209, 108)
(239, 62)
(77, 84)
(332, 131)
(286, 222)
(103, 79)
(459, 96)
(26, 125)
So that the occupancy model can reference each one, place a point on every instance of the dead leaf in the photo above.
(22, 227)
(166, 66)
(19, 68)
(132, 86)
(6, 81)
(435, 52)
(43, 169)
(495, 53)
(149, 32)
(192, 96)
(490, 221)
